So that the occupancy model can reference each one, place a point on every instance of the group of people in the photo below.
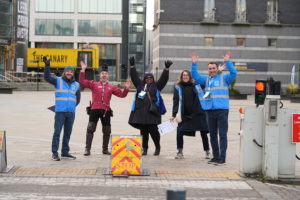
(201, 102)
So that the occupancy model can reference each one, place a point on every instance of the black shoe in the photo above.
(106, 152)
(156, 152)
(144, 152)
(220, 162)
(212, 161)
(55, 157)
(87, 152)
(68, 156)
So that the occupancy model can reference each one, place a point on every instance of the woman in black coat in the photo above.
(192, 115)
(141, 117)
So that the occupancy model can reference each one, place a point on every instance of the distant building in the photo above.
(263, 36)
(80, 23)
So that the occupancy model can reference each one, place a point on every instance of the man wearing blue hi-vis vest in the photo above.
(67, 97)
(216, 103)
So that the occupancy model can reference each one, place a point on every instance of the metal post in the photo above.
(176, 194)
(156, 73)
(37, 76)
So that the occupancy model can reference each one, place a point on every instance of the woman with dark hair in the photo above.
(193, 118)
(144, 114)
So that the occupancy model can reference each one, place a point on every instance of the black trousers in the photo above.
(151, 129)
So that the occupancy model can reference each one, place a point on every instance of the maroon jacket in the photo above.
(101, 94)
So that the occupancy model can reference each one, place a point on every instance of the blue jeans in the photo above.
(66, 120)
(218, 126)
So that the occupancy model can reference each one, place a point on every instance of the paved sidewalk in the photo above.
(29, 127)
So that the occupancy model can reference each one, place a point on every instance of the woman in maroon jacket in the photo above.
(101, 95)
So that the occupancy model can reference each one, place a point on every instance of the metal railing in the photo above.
(11, 76)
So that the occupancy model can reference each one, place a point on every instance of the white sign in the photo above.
(20, 64)
(22, 7)
(166, 127)
(23, 21)
(22, 33)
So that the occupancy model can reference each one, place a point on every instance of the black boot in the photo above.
(157, 151)
(144, 151)
(89, 138)
(106, 135)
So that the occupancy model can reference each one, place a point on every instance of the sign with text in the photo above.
(296, 128)
(126, 155)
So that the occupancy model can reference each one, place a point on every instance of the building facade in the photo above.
(82, 23)
(6, 35)
(262, 35)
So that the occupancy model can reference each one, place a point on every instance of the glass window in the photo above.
(272, 11)
(272, 42)
(209, 41)
(5, 19)
(240, 10)
(54, 6)
(99, 28)
(100, 6)
(136, 18)
(54, 27)
(209, 9)
(54, 45)
(5, 7)
(240, 42)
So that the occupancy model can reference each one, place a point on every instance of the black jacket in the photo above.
(141, 114)
(196, 121)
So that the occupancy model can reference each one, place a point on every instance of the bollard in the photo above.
(3, 159)
(176, 194)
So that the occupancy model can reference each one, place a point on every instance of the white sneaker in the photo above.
(179, 156)
(207, 154)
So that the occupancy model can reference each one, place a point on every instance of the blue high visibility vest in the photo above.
(199, 92)
(65, 95)
(219, 94)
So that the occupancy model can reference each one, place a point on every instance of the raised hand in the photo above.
(83, 65)
(132, 61)
(227, 56)
(47, 62)
(127, 84)
(221, 68)
(194, 58)
(168, 63)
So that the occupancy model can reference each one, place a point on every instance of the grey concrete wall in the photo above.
(177, 42)
(179, 10)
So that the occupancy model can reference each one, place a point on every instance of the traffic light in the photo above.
(260, 92)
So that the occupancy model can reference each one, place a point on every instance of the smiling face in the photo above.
(69, 74)
(185, 76)
(149, 79)
(212, 69)
(104, 76)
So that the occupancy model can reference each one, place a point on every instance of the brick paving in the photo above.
(29, 127)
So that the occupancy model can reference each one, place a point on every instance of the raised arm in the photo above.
(133, 73)
(232, 70)
(119, 93)
(47, 75)
(82, 81)
(194, 70)
(164, 78)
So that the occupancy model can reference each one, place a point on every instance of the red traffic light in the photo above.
(260, 86)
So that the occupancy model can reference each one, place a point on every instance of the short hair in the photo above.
(213, 63)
